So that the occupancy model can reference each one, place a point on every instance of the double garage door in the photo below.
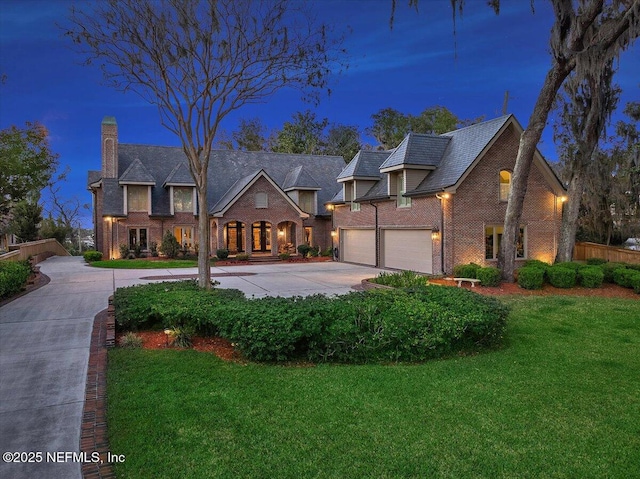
(405, 249)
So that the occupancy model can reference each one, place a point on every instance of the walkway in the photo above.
(45, 338)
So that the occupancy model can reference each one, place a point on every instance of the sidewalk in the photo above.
(45, 338)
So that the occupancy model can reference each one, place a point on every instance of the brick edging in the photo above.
(93, 434)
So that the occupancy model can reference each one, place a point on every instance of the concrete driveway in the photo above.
(44, 349)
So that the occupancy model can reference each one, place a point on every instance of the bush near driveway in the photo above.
(13, 277)
(415, 324)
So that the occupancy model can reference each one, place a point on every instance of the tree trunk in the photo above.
(204, 268)
(570, 212)
(528, 144)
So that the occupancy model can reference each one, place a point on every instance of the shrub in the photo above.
(327, 252)
(153, 248)
(635, 282)
(242, 257)
(400, 279)
(181, 336)
(130, 341)
(562, 276)
(284, 256)
(466, 270)
(591, 276)
(13, 277)
(91, 256)
(609, 268)
(574, 265)
(169, 245)
(124, 251)
(489, 276)
(530, 277)
(596, 261)
(536, 263)
(222, 253)
(304, 249)
(623, 276)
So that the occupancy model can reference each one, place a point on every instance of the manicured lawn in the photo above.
(145, 264)
(561, 399)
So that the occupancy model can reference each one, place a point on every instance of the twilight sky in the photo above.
(416, 65)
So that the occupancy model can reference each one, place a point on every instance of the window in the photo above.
(137, 198)
(493, 240)
(262, 201)
(401, 201)
(505, 185)
(138, 237)
(307, 201)
(354, 206)
(308, 235)
(184, 236)
(183, 199)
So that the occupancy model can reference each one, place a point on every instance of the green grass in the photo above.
(145, 264)
(561, 399)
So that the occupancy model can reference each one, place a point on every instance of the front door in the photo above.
(261, 233)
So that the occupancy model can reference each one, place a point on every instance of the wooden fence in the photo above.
(38, 250)
(584, 251)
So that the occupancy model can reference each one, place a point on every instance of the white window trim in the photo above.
(125, 205)
(172, 208)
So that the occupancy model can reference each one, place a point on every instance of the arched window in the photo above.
(505, 184)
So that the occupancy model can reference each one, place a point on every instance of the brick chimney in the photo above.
(109, 147)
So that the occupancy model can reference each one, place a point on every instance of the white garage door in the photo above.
(408, 250)
(359, 246)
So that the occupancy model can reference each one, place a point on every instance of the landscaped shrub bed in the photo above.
(374, 326)
(466, 270)
(562, 276)
(489, 276)
(13, 277)
(531, 277)
(401, 279)
(591, 277)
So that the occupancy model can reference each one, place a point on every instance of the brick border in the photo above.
(93, 434)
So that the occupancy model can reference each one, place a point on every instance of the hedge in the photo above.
(466, 270)
(13, 277)
(591, 277)
(531, 277)
(489, 276)
(372, 326)
(91, 256)
(562, 276)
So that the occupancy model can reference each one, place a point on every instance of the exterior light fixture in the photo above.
(280, 232)
(334, 233)
(443, 196)
(435, 233)
(563, 199)
(329, 207)
(167, 333)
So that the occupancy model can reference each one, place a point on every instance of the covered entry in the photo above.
(408, 250)
(358, 246)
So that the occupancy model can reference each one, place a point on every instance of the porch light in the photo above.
(329, 207)
(563, 199)
(435, 233)
(443, 196)
(334, 233)
(280, 232)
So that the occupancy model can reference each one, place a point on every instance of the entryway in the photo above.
(261, 237)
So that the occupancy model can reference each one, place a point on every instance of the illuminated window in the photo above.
(505, 185)
(137, 198)
(184, 236)
(493, 240)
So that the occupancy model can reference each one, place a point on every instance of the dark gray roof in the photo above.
(93, 176)
(379, 191)
(300, 178)
(136, 173)
(180, 176)
(419, 150)
(366, 164)
(113, 192)
(465, 146)
(235, 189)
(227, 167)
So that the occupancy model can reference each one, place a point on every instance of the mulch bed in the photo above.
(605, 291)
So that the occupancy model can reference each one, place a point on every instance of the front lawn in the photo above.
(145, 263)
(561, 399)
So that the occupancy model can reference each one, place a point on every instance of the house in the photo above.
(436, 201)
(259, 202)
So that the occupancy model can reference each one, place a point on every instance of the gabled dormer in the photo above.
(411, 162)
(303, 189)
(136, 182)
(182, 191)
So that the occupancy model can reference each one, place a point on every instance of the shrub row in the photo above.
(488, 276)
(566, 275)
(373, 326)
(13, 277)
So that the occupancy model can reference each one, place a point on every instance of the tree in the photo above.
(586, 109)
(199, 60)
(303, 135)
(248, 137)
(343, 140)
(26, 165)
(26, 221)
(584, 36)
(391, 126)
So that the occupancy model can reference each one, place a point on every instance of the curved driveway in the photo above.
(44, 348)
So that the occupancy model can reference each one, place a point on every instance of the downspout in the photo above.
(377, 265)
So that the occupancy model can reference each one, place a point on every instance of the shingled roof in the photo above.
(226, 168)
(365, 165)
(418, 150)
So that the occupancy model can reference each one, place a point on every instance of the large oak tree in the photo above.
(199, 60)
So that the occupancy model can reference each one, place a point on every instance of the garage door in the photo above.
(359, 246)
(408, 250)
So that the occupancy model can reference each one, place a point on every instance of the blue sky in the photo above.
(415, 65)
